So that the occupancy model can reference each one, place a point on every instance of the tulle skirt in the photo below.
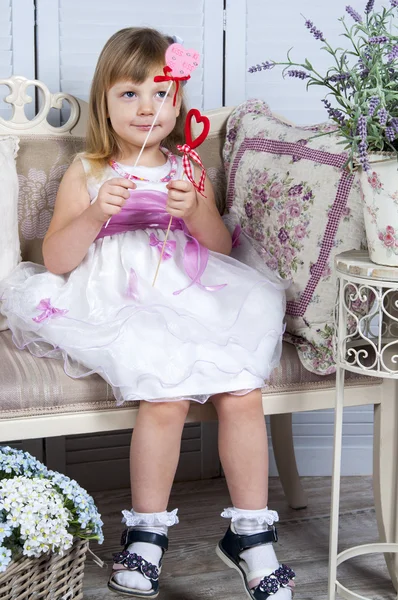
(147, 342)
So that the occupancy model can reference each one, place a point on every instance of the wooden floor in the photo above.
(193, 572)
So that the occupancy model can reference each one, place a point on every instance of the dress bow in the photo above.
(49, 312)
(169, 247)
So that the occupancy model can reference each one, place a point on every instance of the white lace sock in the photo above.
(260, 558)
(154, 523)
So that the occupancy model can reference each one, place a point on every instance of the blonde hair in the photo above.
(130, 54)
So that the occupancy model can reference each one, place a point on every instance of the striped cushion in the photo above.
(31, 386)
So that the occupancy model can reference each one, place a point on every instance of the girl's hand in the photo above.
(111, 197)
(182, 201)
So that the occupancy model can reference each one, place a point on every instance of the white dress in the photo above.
(210, 324)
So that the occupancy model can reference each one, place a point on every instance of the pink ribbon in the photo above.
(195, 262)
(169, 247)
(147, 209)
(49, 312)
(235, 236)
(132, 286)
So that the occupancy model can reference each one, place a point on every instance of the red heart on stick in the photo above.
(194, 113)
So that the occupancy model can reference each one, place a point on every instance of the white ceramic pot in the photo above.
(380, 196)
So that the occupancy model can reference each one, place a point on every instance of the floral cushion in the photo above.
(41, 163)
(294, 198)
(9, 243)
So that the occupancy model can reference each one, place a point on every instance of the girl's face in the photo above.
(132, 108)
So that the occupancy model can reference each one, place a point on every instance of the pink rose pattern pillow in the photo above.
(293, 196)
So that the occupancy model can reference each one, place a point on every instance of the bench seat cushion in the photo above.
(31, 386)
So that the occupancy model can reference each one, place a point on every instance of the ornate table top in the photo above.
(358, 264)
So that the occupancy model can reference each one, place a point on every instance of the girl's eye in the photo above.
(161, 94)
(129, 94)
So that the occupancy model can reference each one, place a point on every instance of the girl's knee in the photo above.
(166, 412)
(233, 404)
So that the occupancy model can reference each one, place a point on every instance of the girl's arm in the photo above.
(200, 214)
(72, 228)
(76, 223)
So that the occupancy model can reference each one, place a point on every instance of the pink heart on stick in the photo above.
(181, 61)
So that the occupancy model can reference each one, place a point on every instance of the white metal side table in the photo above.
(366, 342)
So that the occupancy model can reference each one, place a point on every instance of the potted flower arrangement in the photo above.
(46, 520)
(361, 99)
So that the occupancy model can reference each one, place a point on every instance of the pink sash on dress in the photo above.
(146, 209)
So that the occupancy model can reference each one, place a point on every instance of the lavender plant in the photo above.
(362, 81)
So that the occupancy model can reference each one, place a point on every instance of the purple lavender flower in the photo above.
(298, 74)
(265, 66)
(383, 116)
(363, 155)
(394, 51)
(363, 60)
(367, 53)
(363, 69)
(394, 3)
(369, 6)
(394, 124)
(318, 35)
(339, 77)
(378, 39)
(362, 128)
(374, 101)
(390, 133)
(327, 104)
(334, 113)
(353, 13)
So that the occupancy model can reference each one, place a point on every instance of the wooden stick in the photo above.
(162, 252)
(148, 134)
(164, 242)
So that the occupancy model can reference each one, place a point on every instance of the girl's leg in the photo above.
(243, 449)
(154, 455)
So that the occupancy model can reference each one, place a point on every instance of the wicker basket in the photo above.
(49, 577)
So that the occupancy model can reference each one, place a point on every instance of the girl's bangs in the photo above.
(137, 67)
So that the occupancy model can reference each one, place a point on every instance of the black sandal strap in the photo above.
(234, 544)
(132, 535)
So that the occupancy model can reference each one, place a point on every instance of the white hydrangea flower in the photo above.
(5, 558)
(32, 501)
(44, 524)
(5, 530)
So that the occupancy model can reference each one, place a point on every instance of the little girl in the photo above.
(210, 329)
